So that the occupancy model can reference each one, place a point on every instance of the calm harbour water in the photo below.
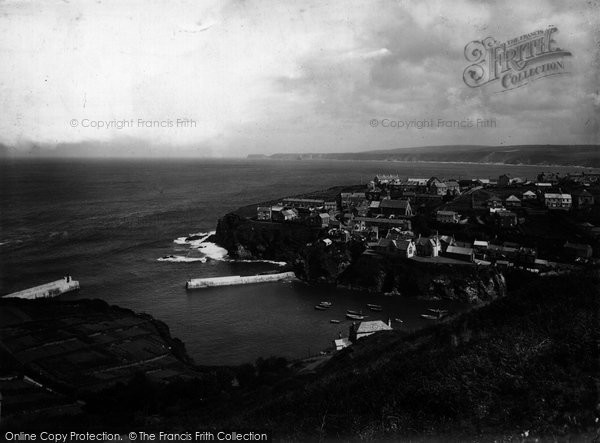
(107, 222)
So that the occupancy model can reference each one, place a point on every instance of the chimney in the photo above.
(389, 322)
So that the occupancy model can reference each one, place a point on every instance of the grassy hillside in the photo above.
(566, 155)
(527, 362)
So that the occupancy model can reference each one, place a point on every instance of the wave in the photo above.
(194, 239)
(182, 259)
(212, 250)
(278, 263)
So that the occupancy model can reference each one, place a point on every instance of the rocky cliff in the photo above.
(345, 265)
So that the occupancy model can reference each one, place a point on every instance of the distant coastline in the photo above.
(578, 156)
(545, 165)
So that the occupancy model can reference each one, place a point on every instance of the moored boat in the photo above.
(429, 317)
(376, 308)
(353, 312)
(355, 317)
(398, 320)
(334, 321)
(326, 304)
(320, 308)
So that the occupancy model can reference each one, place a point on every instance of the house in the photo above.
(305, 203)
(494, 202)
(582, 199)
(459, 253)
(339, 235)
(279, 214)
(558, 201)
(512, 202)
(402, 248)
(325, 218)
(578, 250)
(529, 195)
(366, 328)
(263, 213)
(330, 206)
(386, 178)
(353, 199)
(506, 219)
(504, 180)
(447, 216)
(397, 208)
(438, 188)
(341, 343)
(453, 187)
(360, 224)
(445, 241)
(318, 220)
(428, 246)
(374, 207)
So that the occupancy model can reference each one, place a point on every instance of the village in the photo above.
(538, 226)
(546, 226)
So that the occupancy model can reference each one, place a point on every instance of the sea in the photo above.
(120, 228)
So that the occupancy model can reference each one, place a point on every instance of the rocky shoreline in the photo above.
(343, 265)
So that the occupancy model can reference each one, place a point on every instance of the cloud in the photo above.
(277, 76)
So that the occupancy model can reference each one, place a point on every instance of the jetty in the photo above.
(53, 289)
(230, 280)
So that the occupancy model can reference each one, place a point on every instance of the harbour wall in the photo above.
(198, 283)
(47, 290)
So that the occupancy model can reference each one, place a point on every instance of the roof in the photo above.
(374, 204)
(276, 208)
(449, 213)
(402, 244)
(439, 185)
(530, 192)
(394, 204)
(578, 246)
(263, 208)
(324, 215)
(494, 198)
(388, 221)
(583, 192)
(480, 243)
(459, 250)
(512, 198)
(548, 195)
(342, 342)
(372, 326)
(452, 183)
(304, 200)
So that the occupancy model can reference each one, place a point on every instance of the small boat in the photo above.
(320, 308)
(398, 320)
(326, 304)
(355, 317)
(334, 321)
(370, 305)
(430, 317)
(353, 312)
(377, 308)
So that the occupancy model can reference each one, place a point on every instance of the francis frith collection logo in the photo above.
(515, 62)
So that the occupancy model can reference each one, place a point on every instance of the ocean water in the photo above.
(110, 223)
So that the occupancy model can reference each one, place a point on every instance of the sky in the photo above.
(231, 78)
